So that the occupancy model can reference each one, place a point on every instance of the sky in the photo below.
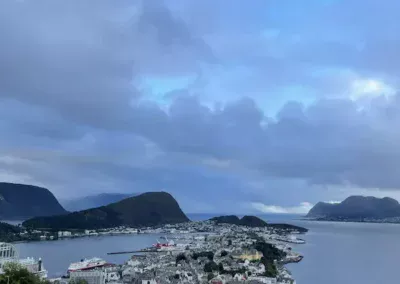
(262, 106)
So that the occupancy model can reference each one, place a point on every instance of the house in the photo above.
(64, 234)
(149, 281)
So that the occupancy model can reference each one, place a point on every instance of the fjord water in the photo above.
(356, 253)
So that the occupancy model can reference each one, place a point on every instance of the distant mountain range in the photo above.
(356, 207)
(20, 201)
(93, 201)
(147, 209)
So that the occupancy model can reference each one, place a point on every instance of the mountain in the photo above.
(249, 221)
(252, 221)
(20, 201)
(92, 201)
(147, 209)
(355, 207)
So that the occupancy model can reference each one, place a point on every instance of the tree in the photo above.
(210, 266)
(224, 253)
(220, 267)
(270, 268)
(180, 257)
(16, 273)
(210, 276)
(208, 254)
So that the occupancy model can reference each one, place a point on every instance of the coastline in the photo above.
(345, 220)
(194, 233)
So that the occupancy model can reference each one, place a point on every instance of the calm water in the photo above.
(353, 253)
(57, 255)
(335, 253)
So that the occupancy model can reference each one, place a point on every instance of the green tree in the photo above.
(15, 273)
(211, 266)
(220, 267)
(210, 276)
(180, 257)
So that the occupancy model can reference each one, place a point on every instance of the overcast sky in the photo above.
(231, 106)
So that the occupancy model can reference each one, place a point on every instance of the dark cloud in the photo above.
(75, 117)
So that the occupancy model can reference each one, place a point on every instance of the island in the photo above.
(147, 209)
(22, 201)
(358, 209)
(253, 221)
(249, 221)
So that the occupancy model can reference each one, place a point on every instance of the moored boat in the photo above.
(87, 264)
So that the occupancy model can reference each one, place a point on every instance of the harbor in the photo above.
(195, 252)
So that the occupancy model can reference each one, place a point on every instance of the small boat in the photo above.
(87, 264)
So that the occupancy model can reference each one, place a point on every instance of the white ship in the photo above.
(9, 253)
(87, 264)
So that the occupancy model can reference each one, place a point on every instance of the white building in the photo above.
(91, 277)
(64, 234)
(9, 253)
(100, 276)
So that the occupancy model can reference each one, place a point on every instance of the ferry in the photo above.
(164, 246)
(87, 264)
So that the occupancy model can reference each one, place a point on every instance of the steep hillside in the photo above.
(19, 202)
(147, 209)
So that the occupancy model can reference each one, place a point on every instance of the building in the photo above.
(64, 234)
(90, 276)
(149, 281)
(250, 255)
(9, 253)
(97, 276)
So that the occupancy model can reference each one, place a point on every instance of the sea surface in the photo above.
(335, 253)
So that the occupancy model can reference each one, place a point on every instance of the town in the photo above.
(200, 252)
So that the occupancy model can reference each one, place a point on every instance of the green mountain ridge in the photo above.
(147, 209)
(21, 201)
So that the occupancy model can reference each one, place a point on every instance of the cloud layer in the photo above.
(288, 106)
